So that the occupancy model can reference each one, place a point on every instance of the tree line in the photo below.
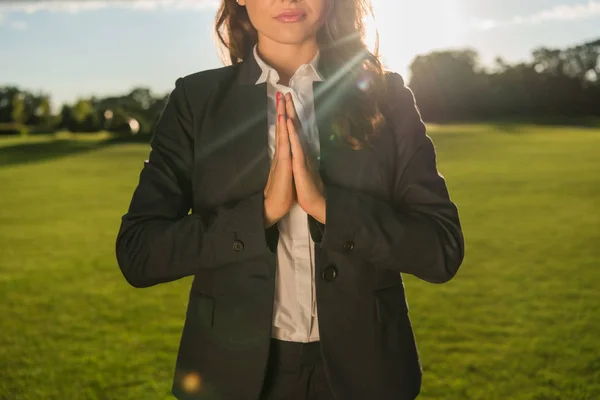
(554, 84)
(449, 85)
(132, 113)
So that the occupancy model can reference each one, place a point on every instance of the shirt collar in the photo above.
(309, 70)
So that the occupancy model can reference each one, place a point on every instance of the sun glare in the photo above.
(411, 27)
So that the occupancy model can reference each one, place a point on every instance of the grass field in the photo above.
(521, 320)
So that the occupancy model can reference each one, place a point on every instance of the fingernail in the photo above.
(278, 96)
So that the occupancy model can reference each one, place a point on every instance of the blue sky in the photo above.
(78, 48)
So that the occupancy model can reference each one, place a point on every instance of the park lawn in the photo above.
(521, 320)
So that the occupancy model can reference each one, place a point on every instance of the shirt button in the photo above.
(238, 245)
(349, 245)
(329, 273)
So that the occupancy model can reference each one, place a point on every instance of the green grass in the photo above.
(521, 320)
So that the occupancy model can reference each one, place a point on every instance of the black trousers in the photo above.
(295, 372)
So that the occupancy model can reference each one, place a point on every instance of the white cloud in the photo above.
(73, 6)
(564, 12)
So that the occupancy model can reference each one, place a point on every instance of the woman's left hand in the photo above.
(310, 190)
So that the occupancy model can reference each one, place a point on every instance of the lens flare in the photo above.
(191, 382)
(363, 83)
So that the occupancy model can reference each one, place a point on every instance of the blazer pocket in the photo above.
(390, 303)
(201, 309)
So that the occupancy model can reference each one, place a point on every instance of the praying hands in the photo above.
(294, 175)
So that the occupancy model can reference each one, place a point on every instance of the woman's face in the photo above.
(286, 21)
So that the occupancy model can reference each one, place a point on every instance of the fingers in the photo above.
(275, 153)
(296, 146)
(283, 142)
(290, 109)
(289, 106)
(291, 121)
(280, 105)
(292, 125)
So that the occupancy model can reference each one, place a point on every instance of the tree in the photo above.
(67, 121)
(18, 108)
(86, 117)
(7, 95)
(447, 84)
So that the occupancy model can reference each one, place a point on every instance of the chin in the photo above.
(291, 35)
(290, 39)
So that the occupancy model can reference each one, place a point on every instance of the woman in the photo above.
(312, 185)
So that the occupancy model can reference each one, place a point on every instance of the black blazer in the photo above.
(388, 211)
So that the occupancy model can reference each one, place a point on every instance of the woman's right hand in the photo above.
(279, 191)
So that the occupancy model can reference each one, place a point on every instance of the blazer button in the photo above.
(238, 245)
(349, 245)
(329, 273)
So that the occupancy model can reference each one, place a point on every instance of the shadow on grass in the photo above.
(27, 153)
(518, 125)
(522, 125)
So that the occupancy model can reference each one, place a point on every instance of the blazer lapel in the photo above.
(248, 123)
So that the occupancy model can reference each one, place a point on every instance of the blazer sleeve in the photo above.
(420, 232)
(158, 240)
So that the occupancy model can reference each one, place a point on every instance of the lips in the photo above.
(291, 16)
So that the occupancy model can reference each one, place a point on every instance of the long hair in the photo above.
(357, 72)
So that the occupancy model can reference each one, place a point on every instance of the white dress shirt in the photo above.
(295, 309)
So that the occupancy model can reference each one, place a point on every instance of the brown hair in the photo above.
(357, 72)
